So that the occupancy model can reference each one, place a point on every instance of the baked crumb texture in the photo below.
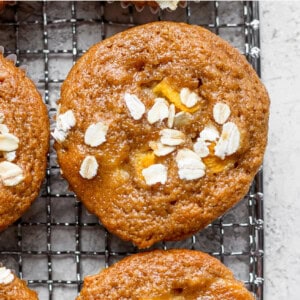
(165, 275)
(24, 140)
(161, 129)
(13, 288)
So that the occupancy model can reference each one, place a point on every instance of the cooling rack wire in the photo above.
(56, 243)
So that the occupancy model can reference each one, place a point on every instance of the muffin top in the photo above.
(24, 139)
(160, 130)
(12, 288)
(165, 275)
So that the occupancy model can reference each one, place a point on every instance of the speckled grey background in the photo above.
(280, 37)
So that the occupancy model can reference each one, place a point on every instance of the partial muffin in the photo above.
(4, 3)
(13, 288)
(165, 275)
(24, 139)
(171, 4)
(160, 130)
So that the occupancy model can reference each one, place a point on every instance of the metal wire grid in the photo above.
(42, 237)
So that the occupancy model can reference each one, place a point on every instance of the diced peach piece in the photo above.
(165, 89)
(143, 160)
(215, 164)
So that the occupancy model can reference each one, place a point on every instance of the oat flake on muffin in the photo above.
(183, 120)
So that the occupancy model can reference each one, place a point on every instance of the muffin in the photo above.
(24, 139)
(165, 275)
(171, 5)
(12, 288)
(160, 130)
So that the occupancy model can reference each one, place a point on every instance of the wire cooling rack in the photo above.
(57, 243)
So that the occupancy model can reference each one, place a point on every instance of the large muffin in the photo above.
(24, 139)
(165, 275)
(147, 174)
(13, 288)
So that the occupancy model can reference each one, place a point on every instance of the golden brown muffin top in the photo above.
(147, 174)
(24, 139)
(165, 275)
